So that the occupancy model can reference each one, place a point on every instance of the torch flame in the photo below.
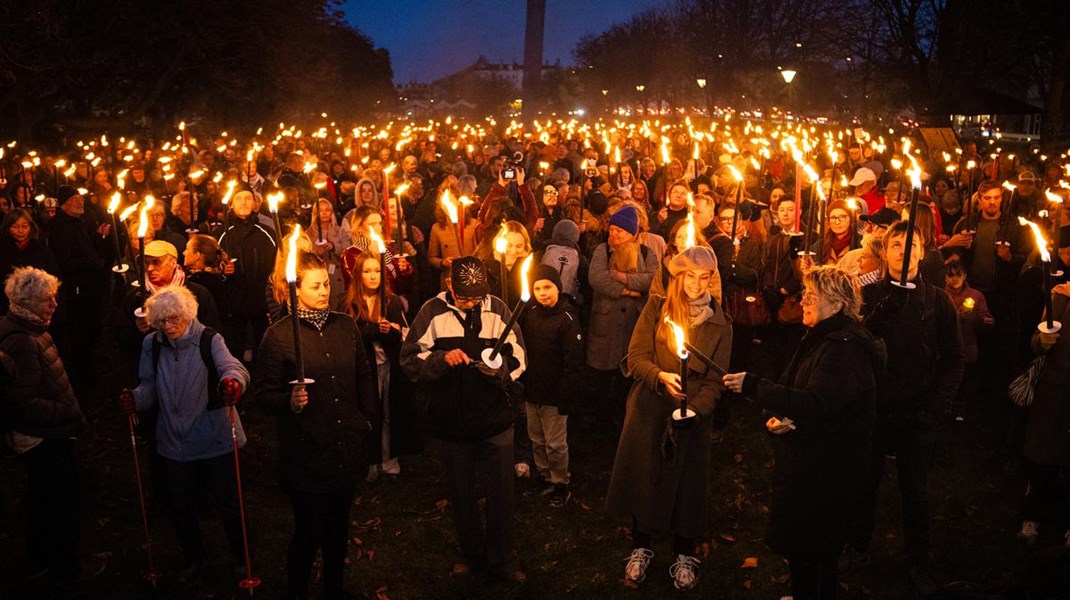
(1042, 244)
(525, 289)
(1010, 187)
(291, 257)
(123, 216)
(1056, 198)
(500, 241)
(273, 201)
(401, 189)
(735, 173)
(143, 216)
(378, 241)
(449, 206)
(230, 192)
(678, 338)
(114, 204)
(689, 242)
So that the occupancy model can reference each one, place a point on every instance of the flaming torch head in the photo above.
(291, 256)
(114, 204)
(678, 338)
(449, 206)
(273, 201)
(378, 241)
(500, 241)
(1042, 244)
(525, 288)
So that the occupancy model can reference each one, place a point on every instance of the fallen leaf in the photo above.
(585, 506)
(726, 537)
(371, 554)
(738, 458)
(102, 555)
(103, 521)
(357, 541)
(442, 504)
(750, 563)
(746, 584)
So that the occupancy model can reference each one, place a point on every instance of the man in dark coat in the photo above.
(470, 409)
(84, 275)
(925, 364)
(253, 247)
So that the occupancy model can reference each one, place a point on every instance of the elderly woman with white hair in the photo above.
(824, 406)
(188, 373)
(42, 417)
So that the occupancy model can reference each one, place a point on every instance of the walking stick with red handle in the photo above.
(249, 583)
(151, 575)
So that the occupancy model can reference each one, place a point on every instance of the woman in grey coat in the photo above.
(662, 469)
(620, 274)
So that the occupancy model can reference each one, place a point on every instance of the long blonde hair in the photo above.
(677, 308)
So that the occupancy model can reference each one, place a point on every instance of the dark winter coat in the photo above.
(829, 391)
(555, 350)
(40, 400)
(82, 270)
(323, 448)
(254, 247)
(662, 495)
(404, 419)
(464, 405)
(613, 316)
(1047, 434)
(925, 355)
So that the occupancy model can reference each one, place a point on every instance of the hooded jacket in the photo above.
(555, 350)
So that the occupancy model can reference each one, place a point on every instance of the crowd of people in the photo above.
(501, 294)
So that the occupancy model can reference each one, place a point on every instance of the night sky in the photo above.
(428, 39)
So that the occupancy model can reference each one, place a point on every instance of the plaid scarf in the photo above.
(315, 318)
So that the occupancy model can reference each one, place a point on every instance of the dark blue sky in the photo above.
(428, 39)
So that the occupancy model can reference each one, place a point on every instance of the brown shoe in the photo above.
(460, 569)
(515, 577)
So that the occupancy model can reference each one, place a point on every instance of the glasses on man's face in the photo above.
(469, 300)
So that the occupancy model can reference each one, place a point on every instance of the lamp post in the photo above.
(789, 76)
(701, 81)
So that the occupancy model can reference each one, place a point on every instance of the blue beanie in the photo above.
(627, 219)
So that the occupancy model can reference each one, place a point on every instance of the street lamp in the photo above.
(640, 88)
(789, 76)
(701, 81)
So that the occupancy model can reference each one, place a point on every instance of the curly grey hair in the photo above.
(836, 285)
(173, 301)
(26, 286)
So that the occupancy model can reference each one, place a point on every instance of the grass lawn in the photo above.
(402, 536)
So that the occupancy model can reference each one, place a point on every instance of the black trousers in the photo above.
(812, 578)
(912, 445)
(321, 521)
(1047, 500)
(185, 481)
(492, 460)
(53, 508)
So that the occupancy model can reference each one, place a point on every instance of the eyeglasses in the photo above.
(839, 219)
(172, 320)
(470, 300)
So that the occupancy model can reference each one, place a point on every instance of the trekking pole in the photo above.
(151, 575)
(249, 583)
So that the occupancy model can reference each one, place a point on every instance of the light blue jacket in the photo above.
(186, 430)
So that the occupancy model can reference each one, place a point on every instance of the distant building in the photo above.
(419, 99)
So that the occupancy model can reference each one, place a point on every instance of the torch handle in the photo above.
(298, 359)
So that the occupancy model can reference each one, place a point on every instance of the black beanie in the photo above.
(548, 273)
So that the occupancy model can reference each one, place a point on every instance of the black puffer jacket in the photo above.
(829, 391)
(40, 400)
(555, 345)
(323, 448)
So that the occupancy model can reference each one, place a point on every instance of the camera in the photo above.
(510, 165)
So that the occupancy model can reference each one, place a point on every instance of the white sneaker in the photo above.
(638, 561)
(523, 471)
(1029, 531)
(684, 572)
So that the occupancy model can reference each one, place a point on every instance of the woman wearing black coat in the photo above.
(824, 406)
(21, 246)
(323, 428)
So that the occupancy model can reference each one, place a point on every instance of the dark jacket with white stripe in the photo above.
(464, 404)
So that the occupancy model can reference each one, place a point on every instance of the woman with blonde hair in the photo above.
(517, 247)
(661, 471)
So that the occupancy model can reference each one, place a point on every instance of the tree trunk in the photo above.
(1053, 100)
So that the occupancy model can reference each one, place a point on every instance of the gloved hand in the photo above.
(230, 390)
(126, 402)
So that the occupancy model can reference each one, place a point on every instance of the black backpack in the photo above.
(214, 399)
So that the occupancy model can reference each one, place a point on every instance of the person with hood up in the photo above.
(824, 407)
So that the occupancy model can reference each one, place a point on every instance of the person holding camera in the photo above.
(509, 190)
